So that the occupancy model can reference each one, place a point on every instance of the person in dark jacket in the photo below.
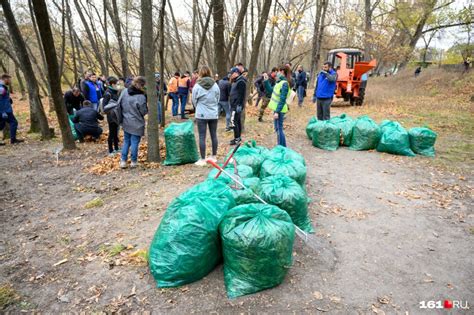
(112, 95)
(158, 95)
(268, 94)
(301, 84)
(73, 100)
(324, 91)
(93, 91)
(6, 109)
(258, 83)
(133, 109)
(237, 103)
(86, 122)
(224, 87)
(183, 92)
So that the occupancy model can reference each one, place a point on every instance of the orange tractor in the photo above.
(351, 73)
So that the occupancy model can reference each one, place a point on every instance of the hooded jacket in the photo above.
(133, 108)
(205, 98)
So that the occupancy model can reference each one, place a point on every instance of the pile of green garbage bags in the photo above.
(365, 134)
(180, 144)
(217, 221)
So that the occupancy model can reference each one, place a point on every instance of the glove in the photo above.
(4, 115)
(232, 116)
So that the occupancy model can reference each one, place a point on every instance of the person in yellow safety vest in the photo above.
(280, 93)
(173, 93)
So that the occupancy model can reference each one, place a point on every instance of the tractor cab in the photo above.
(351, 73)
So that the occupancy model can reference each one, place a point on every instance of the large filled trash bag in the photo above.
(326, 136)
(285, 153)
(243, 171)
(365, 134)
(257, 243)
(186, 246)
(291, 168)
(309, 127)
(180, 144)
(251, 155)
(244, 196)
(395, 139)
(346, 123)
(287, 194)
(422, 141)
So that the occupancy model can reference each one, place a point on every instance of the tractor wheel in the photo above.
(360, 99)
(353, 101)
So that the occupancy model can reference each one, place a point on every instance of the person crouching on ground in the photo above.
(237, 103)
(205, 98)
(6, 109)
(324, 91)
(132, 112)
(110, 102)
(280, 93)
(86, 122)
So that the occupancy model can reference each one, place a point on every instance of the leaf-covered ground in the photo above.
(392, 231)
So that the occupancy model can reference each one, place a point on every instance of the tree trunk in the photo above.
(36, 108)
(234, 36)
(149, 62)
(203, 36)
(321, 7)
(219, 41)
(162, 59)
(20, 83)
(107, 46)
(47, 40)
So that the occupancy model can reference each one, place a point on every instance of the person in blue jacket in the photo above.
(324, 91)
(92, 91)
(6, 109)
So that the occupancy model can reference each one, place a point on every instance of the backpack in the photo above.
(112, 109)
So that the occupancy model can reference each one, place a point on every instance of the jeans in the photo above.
(323, 108)
(95, 106)
(113, 138)
(225, 106)
(159, 111)
(132, 141)
(175, 99)
(202, 124)
(237, 125)
(300, 91)
(11, 120)
(83, 131)
(183, 98)
(278, 124)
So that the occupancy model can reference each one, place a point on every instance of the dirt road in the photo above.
(392, 231)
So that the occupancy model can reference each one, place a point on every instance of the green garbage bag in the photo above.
(287, 194)
(346, 123)
(209, 187)
(422, 141)
(186, 245)
(244, 196)
(285, 153)
(73, 129)
(326, 135)
(309, 127)
(250, 155)
(395, 139)
(257, 243)
(290, 168)
(365, 134)
(386, 124)
(180, 144)
(244, 171)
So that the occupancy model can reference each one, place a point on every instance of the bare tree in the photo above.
(36, 107)
(42, 16)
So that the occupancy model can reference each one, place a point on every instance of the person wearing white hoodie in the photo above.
(205, 98)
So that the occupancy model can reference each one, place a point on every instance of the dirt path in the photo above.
(392, 232)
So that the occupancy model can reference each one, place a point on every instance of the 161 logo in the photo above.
(454, 304)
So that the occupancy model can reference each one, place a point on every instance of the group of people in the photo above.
(124, 103)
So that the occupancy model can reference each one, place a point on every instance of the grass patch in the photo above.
(7, 296)
(94, 203)
(111, 250)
